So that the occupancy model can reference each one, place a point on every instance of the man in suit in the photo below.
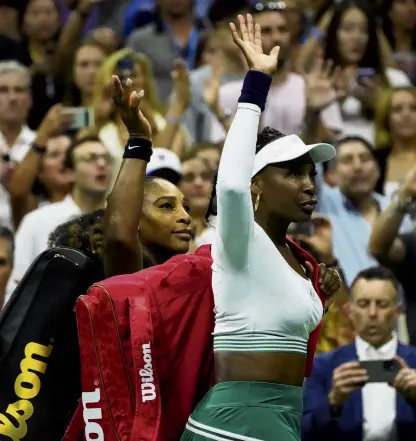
(339, 404)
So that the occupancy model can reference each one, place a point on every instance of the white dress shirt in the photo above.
(33, 234)
(379, 399)
(16, 152)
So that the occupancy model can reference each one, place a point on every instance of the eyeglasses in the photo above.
(269, 6)
(95, 157)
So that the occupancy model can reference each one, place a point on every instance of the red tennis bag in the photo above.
(146, 350)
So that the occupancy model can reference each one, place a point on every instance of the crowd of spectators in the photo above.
(347, 75)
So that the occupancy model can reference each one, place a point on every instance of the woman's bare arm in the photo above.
(24, 176)
(70, 37)
(308, 50)
(122, 250)
(172, 136)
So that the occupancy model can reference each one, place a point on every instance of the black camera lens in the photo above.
(389, 365)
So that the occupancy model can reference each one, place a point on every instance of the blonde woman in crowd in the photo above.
(165, 123)
(395, 123)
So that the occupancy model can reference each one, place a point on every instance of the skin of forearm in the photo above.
(122, 251)
(385, 230)
(166, 137)
(68, 42)
(311, 127)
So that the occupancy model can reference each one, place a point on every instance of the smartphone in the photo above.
(380, 371)
(81, 117)
(125, 69)
(364, 74)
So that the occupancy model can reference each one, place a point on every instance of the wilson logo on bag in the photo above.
(26, 387)
(93, 431)
(146, 374)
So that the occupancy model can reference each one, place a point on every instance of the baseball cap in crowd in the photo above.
(288, 148)
(165, 164)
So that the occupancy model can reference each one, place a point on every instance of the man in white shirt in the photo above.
(340, 404)
(91, 166)
(15, 136)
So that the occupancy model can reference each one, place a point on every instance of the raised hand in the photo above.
(408, 188)
(54, 122)
(251, 46)
(213, 84)
(181, 84)
(127, 102)
(405, 380)
(320, 92)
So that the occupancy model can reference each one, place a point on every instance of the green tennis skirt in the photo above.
(247, 411)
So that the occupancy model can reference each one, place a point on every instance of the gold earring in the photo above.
(256, 204)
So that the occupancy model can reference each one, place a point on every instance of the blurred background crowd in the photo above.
(62, 140)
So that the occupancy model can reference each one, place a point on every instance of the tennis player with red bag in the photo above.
(146, 350)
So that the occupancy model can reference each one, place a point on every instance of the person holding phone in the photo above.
(365, 391)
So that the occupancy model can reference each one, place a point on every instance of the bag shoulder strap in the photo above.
(107, 397)
(148, 400)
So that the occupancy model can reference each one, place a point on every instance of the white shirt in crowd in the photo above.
(16, 154)
(33, 234)
(285, 108)
(379, 399)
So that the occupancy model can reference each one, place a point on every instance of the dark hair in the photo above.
(354, 138)
(69, 156)
(266, 136)
(150, 182)
(167, 174)
(221, 10)
(384, 13)
(84, 233)
(377, 273)
(372, 55)
(6, 233)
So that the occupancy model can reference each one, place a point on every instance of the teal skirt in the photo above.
(247, 411)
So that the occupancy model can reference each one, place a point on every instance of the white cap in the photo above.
(164, 159)
(288, 148)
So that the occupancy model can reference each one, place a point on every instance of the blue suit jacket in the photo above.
(317, 421)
